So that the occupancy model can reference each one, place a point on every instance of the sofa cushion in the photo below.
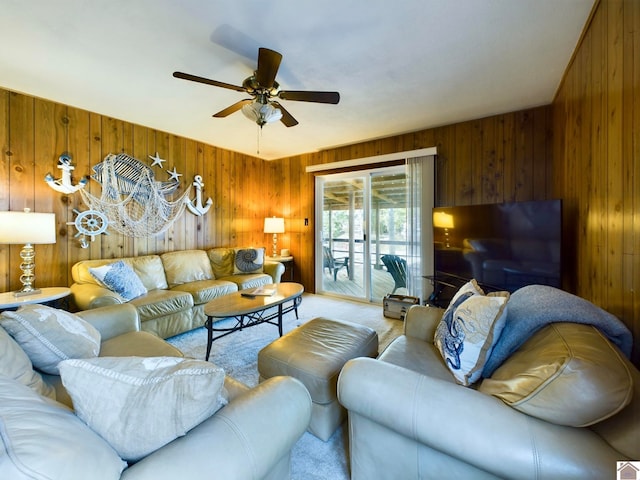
(15, 364)
(221, 261)
(158, 303)
(469, 329)
(140, 404)
(249, 280)
(42, 439)
(148, 267)
(204, 291)
(48, 335)
(186, 266)
(248, 260)
(566, 373)
(119, 277)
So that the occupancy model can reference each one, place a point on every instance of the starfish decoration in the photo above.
(156, 160)
(173, 175)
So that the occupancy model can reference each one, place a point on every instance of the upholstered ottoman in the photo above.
(314, 353)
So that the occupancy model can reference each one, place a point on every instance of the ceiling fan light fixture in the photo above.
(262, 113)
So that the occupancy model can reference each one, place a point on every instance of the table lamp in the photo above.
(274, 225)
(18, 228)
(443, 220)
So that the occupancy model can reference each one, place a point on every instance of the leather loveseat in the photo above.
(250, 437)
(564, 405)
(178, 286)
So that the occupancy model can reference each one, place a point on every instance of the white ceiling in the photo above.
(399, 66)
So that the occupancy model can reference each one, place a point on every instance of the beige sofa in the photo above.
(250, 437)
(420, 423)
(178, 285)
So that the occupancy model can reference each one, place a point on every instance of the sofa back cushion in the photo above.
(222, 260)
(186, 266)
(567, 374)
(148, 267)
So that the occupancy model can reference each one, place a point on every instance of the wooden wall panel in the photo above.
(500, 158)
(596, 151)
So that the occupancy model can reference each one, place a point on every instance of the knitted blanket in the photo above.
(532, 307)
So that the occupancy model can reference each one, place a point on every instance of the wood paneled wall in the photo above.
(596, 150)
(35, 132)
(500, 158)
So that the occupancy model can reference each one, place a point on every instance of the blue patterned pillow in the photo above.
(119, 277)
(248, 260)
(469, 329)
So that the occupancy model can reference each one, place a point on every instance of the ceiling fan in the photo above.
(262, 87)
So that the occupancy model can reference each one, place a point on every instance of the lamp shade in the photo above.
(274, 225)
(442, 220)
(27, 227)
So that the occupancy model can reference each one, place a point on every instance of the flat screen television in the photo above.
(503, 246)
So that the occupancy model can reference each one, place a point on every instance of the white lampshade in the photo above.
(273, 225)
(442, 220)
(27, 227)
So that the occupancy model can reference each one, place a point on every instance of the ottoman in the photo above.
(314, 353)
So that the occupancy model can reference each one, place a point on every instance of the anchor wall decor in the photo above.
(198, 208)
(64, 184)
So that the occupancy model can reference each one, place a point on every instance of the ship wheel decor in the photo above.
(89, 223)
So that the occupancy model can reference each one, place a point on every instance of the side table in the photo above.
(46, 295)
(287, 262)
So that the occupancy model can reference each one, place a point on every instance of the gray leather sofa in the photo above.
(250, 437)
(409, 419)
(178, 284)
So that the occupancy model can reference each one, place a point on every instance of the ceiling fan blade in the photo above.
(287, 118)
(305, 96)
(268, 64)
(215, 83)
(232, 108)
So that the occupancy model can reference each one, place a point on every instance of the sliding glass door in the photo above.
(362, 233)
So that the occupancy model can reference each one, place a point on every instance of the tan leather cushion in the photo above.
(157, 303)
(148, 267)
(567, 373)
(186, 266)
(204, 291)
(221, 261)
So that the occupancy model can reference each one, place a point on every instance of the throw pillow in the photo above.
(469, 329)
(45, 440)
(567, 374)
(48, 335)
(119, 277)
(14, 363)
(248, 260)
(140, 404)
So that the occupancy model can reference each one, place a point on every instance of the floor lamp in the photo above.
(26, 228)
(274, 225)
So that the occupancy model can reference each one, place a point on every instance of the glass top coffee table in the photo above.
(249, 310)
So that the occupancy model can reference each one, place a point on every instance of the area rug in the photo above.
(312, 459)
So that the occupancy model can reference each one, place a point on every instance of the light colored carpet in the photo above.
(312, 459)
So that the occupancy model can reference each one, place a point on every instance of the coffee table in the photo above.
(250, 311)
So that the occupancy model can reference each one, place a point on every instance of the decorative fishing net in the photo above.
(132, 200)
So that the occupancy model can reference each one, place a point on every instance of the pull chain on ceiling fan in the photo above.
(262, 87)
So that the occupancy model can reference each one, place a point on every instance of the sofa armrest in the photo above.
(88, 295)
(113, 320)
(274, 269)
(420, 322)
(469, 426)
(245, 439)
